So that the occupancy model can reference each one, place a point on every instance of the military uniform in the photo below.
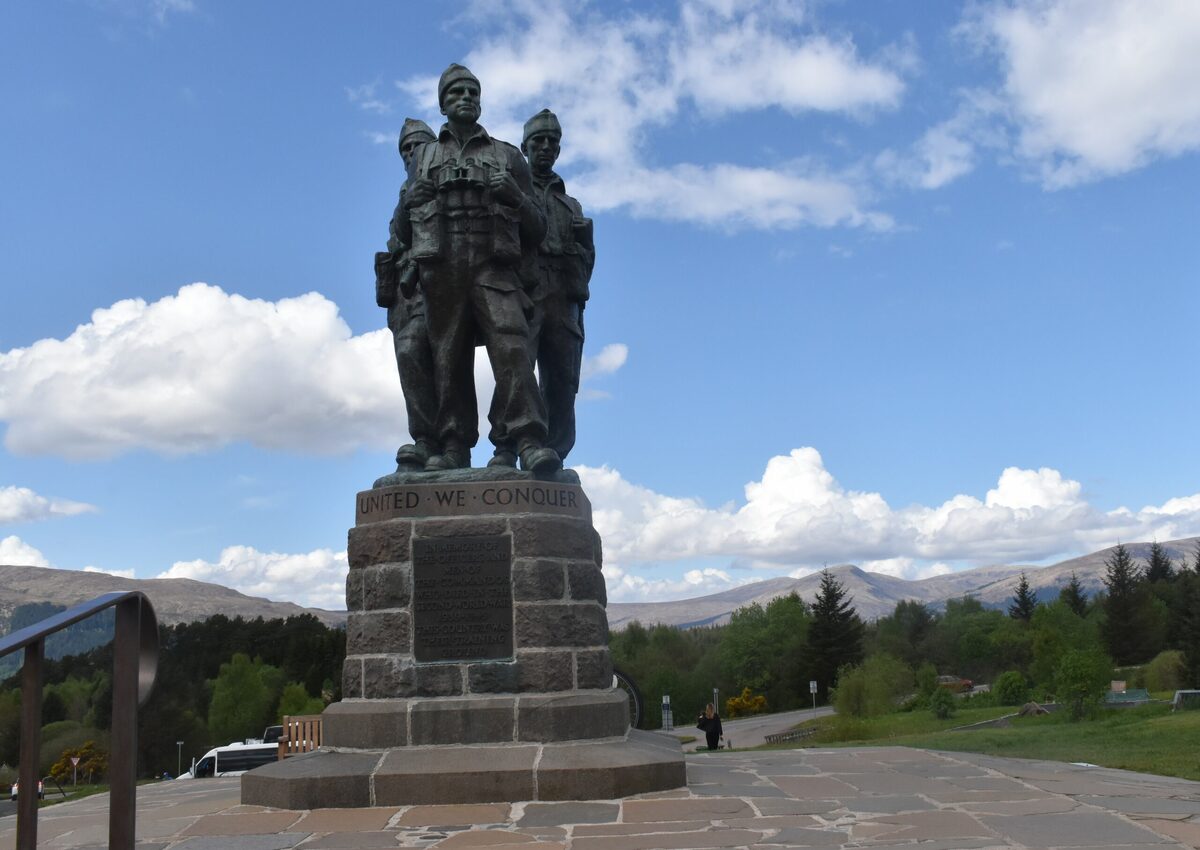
(406, 321)
(558, 275)
(467, 246)
(414, 358)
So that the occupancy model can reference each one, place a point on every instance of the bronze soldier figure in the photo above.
(557, 277)
(395, 289)
(469, 218)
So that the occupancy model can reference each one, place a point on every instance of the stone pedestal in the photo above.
(477, 665)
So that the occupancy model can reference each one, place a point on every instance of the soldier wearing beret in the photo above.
(395, 289)
(468, 219)
(557, 277)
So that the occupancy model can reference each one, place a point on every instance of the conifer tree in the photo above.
(1024, 602)
(1122, 607)
(1158, 565)
(1073, 597)
(1190, 627)
(835, 635)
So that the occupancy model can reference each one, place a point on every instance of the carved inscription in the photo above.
(462, 600)
(471, 499)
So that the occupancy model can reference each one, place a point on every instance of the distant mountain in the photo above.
(175, 600)
(875, 595)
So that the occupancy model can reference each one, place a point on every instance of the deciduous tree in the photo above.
(244, 694)
(1081, 679)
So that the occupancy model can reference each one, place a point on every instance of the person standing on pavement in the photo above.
(710, 723)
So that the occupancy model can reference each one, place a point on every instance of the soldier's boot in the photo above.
(454, 456)
(504, 457)
(413, 456)
(540, 459)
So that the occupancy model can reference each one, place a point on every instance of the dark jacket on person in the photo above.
(712, 729)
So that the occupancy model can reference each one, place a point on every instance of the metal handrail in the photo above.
(135, 662)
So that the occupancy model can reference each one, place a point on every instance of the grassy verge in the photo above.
(887, 729)
(79, 792)
(1149, 739)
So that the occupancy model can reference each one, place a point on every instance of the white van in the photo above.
(232, 760)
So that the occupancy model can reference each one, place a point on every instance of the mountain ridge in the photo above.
(875, 595)
(175, 600)
(179, 600)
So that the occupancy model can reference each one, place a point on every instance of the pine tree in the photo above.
(1158, 565)
(1073, 597)
(1190, 637)
(1024, 602)
(835, 635)
(1122, 607)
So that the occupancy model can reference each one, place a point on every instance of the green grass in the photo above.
(73, 793)
(887, 728)
(1148, 739)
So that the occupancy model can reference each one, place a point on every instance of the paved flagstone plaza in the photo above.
(881, 798)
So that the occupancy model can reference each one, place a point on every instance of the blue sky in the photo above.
(912, 286)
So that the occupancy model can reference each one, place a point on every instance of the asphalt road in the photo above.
(7, 807)
(753, 731)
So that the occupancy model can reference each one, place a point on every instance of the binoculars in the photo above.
(467, 174)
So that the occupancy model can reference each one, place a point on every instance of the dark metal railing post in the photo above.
(31, 739)
(135, 662)
(122, 765)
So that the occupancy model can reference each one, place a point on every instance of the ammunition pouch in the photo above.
(385, 279)
(506, 233)
(407, 277)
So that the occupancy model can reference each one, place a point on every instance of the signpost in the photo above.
(74, 771)
(812, 689)
(668, 719)
(178, 757)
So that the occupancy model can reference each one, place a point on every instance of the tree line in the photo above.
(775, 650)
(1148, 616)
(223, 679)
(219, 680)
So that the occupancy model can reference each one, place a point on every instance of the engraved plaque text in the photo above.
(462, 600)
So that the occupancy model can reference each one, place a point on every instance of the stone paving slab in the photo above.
(888, 798)
(555, 814)
(1070, 830)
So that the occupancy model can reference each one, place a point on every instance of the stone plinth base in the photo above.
(501, 719)
(477, 664)
(593, 769)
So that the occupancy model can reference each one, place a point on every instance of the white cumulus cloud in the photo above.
(313, 579)
(797, 517)
(616, 77)
(203, 368)
(107, 572)
(949, 149)
(630, 587)
(20, 504)
(197, 370)
(16, 552)
(611, 358)
(1096, 87)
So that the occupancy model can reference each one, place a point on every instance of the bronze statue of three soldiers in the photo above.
(485, 249)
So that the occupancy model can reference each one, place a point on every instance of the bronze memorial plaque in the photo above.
(462, 598)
